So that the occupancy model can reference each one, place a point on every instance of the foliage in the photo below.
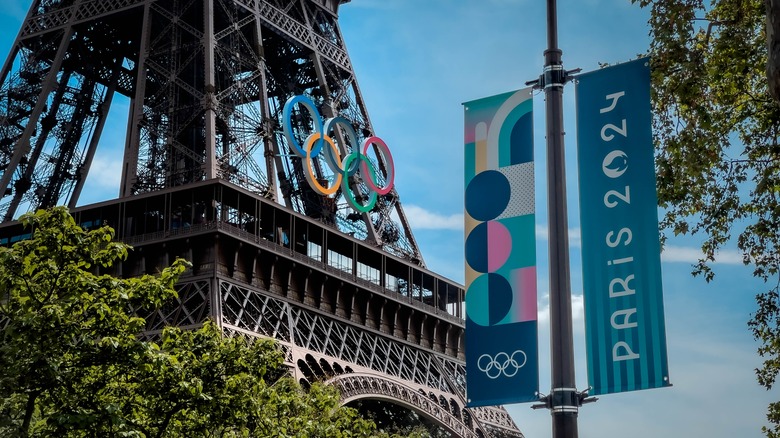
(72, 364)
(717, 126)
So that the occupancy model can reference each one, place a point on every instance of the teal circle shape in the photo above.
(488, 299)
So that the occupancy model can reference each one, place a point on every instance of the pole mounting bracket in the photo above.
(564, 400)
(553, 76)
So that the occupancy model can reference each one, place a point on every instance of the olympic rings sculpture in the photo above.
(320, 142)
(502, 363)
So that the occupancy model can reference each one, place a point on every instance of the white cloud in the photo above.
(577, 309)
(102, 181)
(420, 218)
(670, 254)
(575, 237)
(684, 254)
(105, 173)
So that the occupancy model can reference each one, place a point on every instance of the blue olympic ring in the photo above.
(355, 162)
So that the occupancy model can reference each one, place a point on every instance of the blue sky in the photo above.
(416, 62)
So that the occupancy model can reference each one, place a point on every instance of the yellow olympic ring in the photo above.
(310, 176)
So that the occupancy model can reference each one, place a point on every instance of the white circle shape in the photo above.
(615, 164)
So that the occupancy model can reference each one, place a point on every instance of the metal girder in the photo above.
(80, 12)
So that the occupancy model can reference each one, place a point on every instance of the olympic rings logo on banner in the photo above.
(320, 142)
(502, 363)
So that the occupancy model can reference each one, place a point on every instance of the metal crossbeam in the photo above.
(85, 11)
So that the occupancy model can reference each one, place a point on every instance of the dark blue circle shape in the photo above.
(477, 248)
(500, 297)
(487, 195)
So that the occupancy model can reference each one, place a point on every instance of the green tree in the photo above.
(72, 363)
(716, 127)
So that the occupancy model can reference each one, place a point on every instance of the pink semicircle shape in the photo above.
(499, 245)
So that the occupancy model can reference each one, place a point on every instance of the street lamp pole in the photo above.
(563, 400)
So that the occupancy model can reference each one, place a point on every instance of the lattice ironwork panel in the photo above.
(48, 20)
(284, 346)
(255, 311)
(281, 21)
(190, 308)
(496, 416)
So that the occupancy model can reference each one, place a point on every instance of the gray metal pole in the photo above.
(564, 399)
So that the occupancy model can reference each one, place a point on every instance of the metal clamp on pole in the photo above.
(553, 76)
(564, 400)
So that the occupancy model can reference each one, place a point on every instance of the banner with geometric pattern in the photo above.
(502, 364)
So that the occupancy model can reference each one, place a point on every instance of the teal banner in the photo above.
(621, 260)
(502, 363)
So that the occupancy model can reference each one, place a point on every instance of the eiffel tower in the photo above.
(212, 171)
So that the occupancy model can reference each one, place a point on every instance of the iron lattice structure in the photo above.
(209, 175)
